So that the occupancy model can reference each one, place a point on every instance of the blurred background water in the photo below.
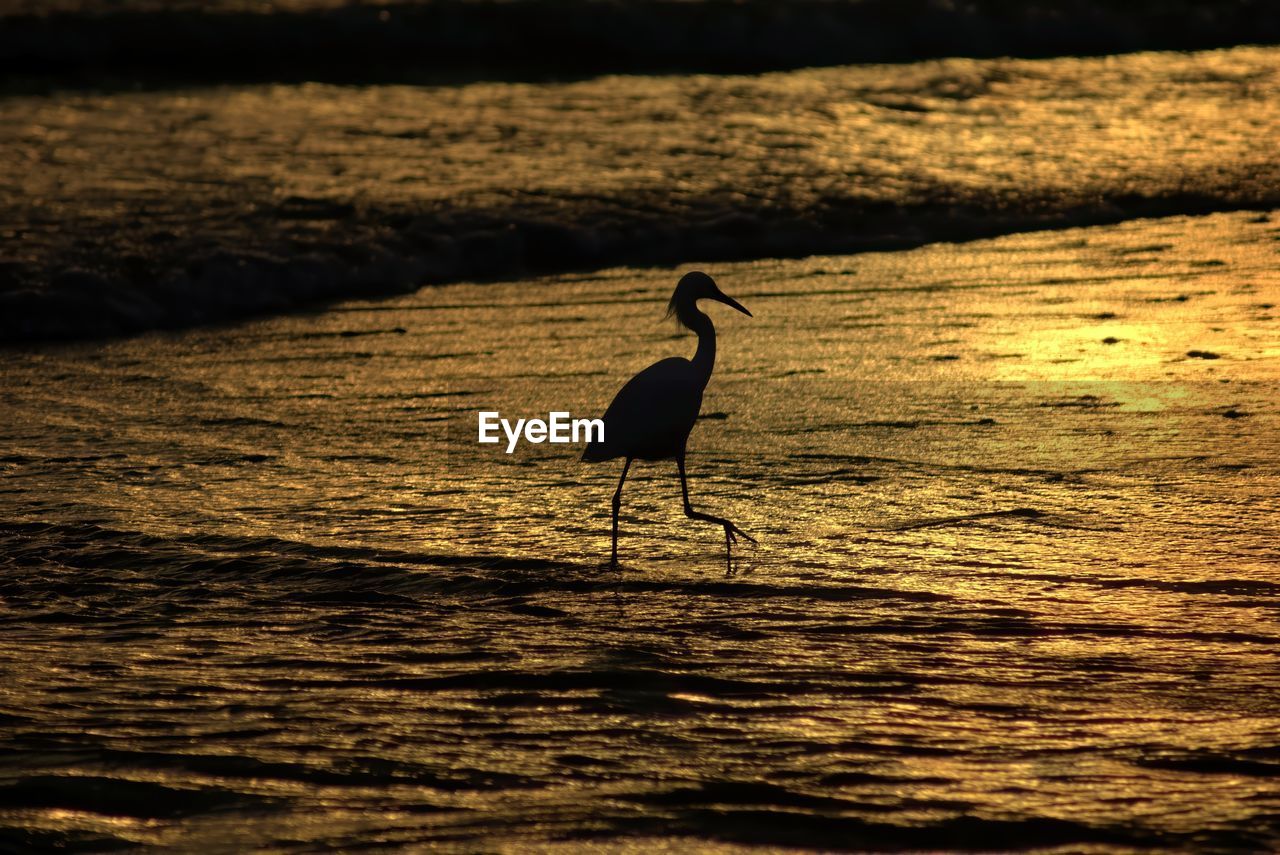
(168, 41)
(129, 210)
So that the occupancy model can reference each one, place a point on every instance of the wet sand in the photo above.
(1016, 582)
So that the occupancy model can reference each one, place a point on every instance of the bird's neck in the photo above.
(704, 360)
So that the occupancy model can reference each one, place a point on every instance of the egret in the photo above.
(651, 416)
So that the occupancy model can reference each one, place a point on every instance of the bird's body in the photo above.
(652, 416)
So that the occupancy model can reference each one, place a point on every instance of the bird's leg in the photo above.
(617, 506)
(731, 531)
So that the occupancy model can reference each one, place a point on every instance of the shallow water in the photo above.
(1016, 581)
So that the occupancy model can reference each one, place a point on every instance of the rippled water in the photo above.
(1016, 582)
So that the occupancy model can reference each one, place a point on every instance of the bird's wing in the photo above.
(654, 412)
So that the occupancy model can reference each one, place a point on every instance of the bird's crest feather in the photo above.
(672, 313)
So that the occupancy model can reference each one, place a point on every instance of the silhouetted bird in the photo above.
(651, 417)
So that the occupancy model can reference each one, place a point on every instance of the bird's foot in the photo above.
(732, 533)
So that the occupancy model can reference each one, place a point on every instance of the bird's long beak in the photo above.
(729, 301)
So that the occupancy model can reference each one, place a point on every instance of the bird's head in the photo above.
(695, 286)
